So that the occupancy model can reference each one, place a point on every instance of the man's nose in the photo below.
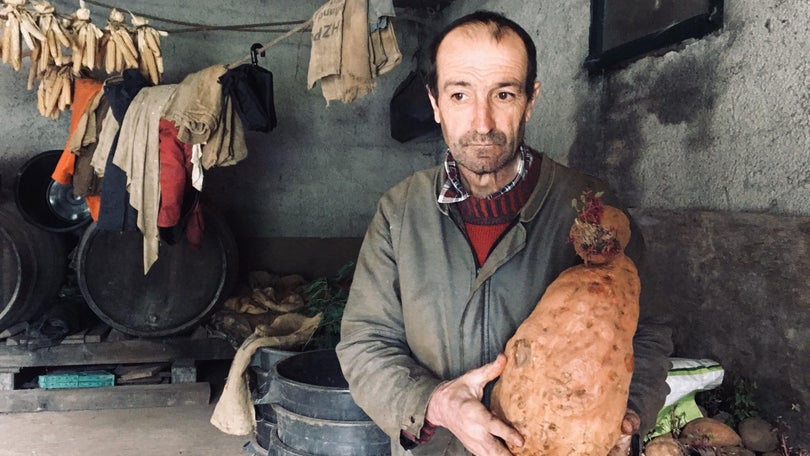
(483, 120)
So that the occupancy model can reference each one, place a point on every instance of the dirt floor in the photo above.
(163, 431)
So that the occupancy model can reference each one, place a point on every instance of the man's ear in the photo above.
(435, 104)
(530, 104)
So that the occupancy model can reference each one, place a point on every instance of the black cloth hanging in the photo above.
(410, 110)
(115, 212)
(250, 87)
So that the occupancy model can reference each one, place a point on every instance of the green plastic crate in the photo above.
(90, 379)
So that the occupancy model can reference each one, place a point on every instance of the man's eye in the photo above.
(505, 95)
(457, 96)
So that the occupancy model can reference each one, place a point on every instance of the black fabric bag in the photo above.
(251, 90)
(410, 110)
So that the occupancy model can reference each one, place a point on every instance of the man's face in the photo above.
(481, 101)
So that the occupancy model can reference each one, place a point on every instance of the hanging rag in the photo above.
(378, 13)
(227, 143)
(384, 50)
(175, 174)
(350, 49)
(106, 137)
(339, 57)
(196, 106)
(85, 180)
(179, 206)
(115, 213)
(385, 54)
(85, 90)
(410, 113)
(250, 87)
(354, 79)
(327, 40)
(138, 155)
(196, 167)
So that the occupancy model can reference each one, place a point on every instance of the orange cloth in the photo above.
(84, 90)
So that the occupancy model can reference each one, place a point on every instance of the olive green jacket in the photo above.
(420, 312)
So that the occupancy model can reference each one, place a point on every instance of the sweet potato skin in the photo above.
(569, 365)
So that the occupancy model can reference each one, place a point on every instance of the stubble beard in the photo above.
(470, 140)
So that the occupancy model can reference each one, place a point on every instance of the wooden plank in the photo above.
(7, 381)
(97, 333)
(184, 371)
(113, 397)
(138, 371)
(120, 352)
(14, 329)
(75, 338)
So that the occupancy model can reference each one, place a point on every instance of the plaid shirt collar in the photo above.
(453, 191)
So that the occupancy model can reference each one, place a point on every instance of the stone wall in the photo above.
(735, 286)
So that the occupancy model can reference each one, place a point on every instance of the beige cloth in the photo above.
(234, 413)
(138, 155)
(327, 37)
(106, 138)
(85, 132)
(85, 180)
(385, 54)
(195, 107)
(345, 57)
(227, 143)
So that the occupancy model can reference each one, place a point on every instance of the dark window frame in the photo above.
(694, 27)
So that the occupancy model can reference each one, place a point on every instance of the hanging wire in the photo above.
(191, 27)
(272, 43)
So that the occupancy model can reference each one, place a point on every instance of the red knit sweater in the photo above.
(487, 219)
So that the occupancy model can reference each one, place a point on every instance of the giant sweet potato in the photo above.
(569, 364)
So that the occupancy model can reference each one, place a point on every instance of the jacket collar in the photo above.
(538, 197)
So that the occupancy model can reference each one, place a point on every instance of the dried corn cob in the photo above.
(55, 92)
(151, 61)
(19, 26)
(86, 40)
(120, 52)
(54, 34)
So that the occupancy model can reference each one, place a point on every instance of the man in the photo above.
(457, 256)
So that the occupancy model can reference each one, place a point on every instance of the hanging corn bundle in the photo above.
(151, 61)
(86, 40)
(119, 50)
(19, 26)
(55, 91)
(54, 35)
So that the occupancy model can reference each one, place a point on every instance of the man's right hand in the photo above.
(456, 406)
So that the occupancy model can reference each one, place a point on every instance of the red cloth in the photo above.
(84, 90)
(175, 174)
(175, 183)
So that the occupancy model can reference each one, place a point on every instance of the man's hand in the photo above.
(456, 406)
(630, 426)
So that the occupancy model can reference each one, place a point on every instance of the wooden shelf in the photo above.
(181, 353)
(119, 352)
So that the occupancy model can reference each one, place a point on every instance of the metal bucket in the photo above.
(315, 413)
(44, 202)
(313, 436)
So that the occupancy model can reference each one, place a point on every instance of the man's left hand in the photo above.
(630, 425)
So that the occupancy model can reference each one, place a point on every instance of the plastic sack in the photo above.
(685, 378)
